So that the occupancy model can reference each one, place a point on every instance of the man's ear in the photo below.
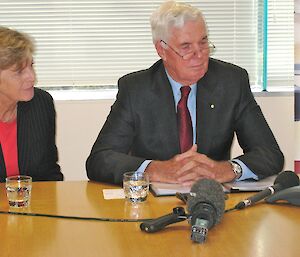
(160, 50)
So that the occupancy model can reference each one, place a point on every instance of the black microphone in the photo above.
(284, 180)
(157, 224)
(206, 208)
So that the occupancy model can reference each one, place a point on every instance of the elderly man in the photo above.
(176, 120)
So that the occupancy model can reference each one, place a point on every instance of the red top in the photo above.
(8, 140)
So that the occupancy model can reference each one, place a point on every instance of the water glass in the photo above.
(136, 186)
(18, 190)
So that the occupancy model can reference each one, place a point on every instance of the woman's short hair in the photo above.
(15, 48)
(172, 14)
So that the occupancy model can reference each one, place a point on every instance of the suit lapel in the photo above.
(22, 140)
(2, 166)
(166, 112)
(206, 101)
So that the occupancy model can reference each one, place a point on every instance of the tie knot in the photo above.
(185, 91)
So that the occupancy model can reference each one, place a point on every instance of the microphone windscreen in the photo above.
(208, 191)
(287, 179)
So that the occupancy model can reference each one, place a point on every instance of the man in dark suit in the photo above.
(142, 133)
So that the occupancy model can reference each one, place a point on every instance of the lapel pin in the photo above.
(212, 106)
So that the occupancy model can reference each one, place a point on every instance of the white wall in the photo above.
(79, 121)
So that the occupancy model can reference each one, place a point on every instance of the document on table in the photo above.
(166, 189)
(250, 185)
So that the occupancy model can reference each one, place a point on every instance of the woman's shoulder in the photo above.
(42, 94)
(41, 98)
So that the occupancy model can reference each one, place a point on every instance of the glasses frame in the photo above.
(211, 46)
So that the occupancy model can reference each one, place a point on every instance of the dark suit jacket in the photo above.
(142, 122)
(37, 152)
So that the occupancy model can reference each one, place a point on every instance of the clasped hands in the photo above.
(189, 167)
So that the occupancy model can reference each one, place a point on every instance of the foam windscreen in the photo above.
(287, 179)
(207, 191)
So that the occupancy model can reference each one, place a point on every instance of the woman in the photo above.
(27, 114)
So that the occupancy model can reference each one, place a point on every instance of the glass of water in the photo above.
(18, 190)
(136, 186)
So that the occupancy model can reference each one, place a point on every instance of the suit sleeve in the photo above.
(261, 151)
(47, 166)
(110, 155)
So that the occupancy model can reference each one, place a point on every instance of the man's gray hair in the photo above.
(172, 14)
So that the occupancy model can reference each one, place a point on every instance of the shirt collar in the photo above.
(176, 86)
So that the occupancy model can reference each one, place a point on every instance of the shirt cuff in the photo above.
(143, 166)
(246, 172)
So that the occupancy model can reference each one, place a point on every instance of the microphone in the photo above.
(206, 199)
(284, 180)
(206, 208)
(157, 224)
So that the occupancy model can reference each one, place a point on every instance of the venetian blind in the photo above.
(94, 42)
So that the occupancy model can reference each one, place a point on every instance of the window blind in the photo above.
(94, 42)
(280, 43)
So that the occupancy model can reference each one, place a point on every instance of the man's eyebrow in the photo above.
(185, 43)
(188, 43)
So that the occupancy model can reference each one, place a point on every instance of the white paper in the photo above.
(109, 194)
(161, 189)
(168, 189)
(252, 185)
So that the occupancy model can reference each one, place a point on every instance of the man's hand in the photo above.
(189, 167)
(203, 167)
(166, 171)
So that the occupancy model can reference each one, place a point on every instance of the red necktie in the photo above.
(184, 121)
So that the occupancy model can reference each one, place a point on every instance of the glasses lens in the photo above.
(188, 56)
(204, 50)
(211, 45)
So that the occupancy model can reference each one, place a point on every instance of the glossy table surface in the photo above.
(261, 230)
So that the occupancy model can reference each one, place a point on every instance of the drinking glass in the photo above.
(18, 190)
(136, 186)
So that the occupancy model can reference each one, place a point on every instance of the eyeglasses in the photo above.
(190, 53)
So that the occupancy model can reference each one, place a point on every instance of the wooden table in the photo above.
(262, 230)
